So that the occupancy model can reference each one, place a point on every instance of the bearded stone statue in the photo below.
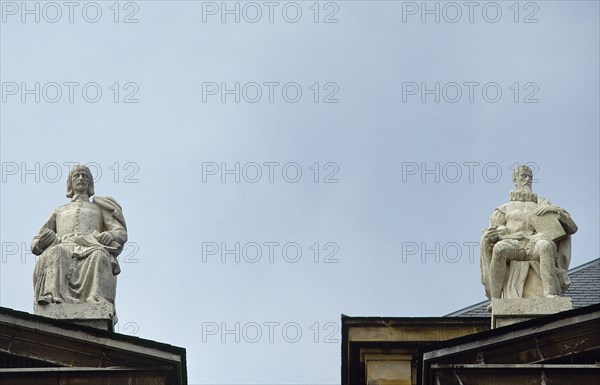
(526, 250)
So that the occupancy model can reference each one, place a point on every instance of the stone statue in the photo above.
(78, 247)
(526, 251)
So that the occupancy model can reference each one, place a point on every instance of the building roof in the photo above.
(560, 348)
(371, 345)
(33, 347)
(584, 291)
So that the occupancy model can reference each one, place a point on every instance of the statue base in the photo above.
(509, 311)
(96, 315)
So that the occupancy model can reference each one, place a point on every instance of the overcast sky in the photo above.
(281, 163)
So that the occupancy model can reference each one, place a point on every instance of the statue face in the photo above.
(524, 179)
(80, 181)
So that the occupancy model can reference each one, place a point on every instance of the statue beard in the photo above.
(523, 195)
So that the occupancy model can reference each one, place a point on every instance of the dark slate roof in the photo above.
(584, 291)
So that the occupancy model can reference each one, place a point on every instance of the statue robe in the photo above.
(75, 267)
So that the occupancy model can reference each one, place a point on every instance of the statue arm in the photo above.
(497, 230)
(490, 236)
(498, 218)
(563, 216)
(112, 226)
(485, 256)
(567, 222)
(46, 236)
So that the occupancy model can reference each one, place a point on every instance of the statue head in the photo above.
(523, 178)
(80, 177)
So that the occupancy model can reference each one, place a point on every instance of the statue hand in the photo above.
(105, 238)
(47, 236)
(492, 235)
(545, 209)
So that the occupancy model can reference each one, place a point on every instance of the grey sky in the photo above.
(162, 158)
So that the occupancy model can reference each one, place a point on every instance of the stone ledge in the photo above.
(98, 315)
(509, 311)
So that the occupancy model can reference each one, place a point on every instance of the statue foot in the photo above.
(551, 296)
(46, 300)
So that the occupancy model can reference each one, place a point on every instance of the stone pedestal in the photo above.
(509, 311)
(96, 315)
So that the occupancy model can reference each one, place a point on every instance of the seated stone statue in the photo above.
(526, 250)
(78, 247)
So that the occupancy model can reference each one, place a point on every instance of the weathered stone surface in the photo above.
(393, 369)
(79, 311)
(75, 276)
(526, 250)
(509, 311)
(96, 315)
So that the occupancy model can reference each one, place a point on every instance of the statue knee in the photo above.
(60, 249)
(500, 251)
(544, 249)
(57, 253)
